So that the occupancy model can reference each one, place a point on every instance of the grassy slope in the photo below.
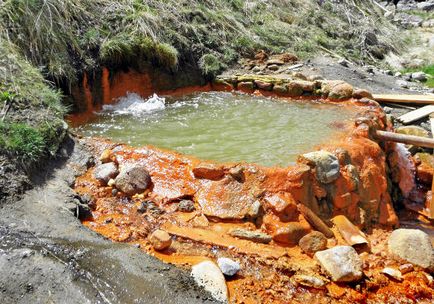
(56, 40)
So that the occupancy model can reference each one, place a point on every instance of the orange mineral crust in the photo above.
(257, 215)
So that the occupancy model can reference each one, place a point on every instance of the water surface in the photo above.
(221, 126)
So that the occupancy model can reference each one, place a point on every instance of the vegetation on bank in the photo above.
(427, 69)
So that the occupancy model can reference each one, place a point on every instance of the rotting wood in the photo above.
(295, 66)
(315, 221)
(351, 234)
(416, 114)
(398, 105)
(405, 139)
(413, 99)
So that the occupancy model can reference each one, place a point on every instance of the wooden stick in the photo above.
(315, 221)
(416, 114)
(415, 99)
(397, 105)
(405, 139)
(431, 205)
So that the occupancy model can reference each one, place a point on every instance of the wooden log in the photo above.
(351, 234)
(315, 221)
(414, 99)
(416, 114)
(405, 139)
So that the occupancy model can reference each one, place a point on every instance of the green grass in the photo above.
(22, 141)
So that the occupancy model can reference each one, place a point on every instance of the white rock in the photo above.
(412, 245)
(310, 281)
(342, 263)
(228, 266)
(394, 273)
(208, 275)
(420, 76)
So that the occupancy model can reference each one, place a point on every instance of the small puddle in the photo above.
(221, 126)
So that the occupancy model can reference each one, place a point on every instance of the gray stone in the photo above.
(133, 179)
(420, 76)
(426, 6)
(254, 236)
(186, 206)
(326, 165)
(105, 172)
(342, 263)
(402, 83)
(412, 245)
(228, 266)
(209, 276)
(392, 273)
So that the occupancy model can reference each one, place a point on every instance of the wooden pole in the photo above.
(405, 139)
(431, 205)
(413, 99)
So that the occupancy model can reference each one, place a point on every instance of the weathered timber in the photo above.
(413, 99)
(315, 221)
(416, 114)
(405, 139)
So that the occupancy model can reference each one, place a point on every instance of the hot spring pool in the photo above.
(229, 127)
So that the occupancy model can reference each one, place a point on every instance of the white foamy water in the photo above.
(407, 170)
(133, 104)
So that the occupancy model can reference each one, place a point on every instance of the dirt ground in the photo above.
(47, 256)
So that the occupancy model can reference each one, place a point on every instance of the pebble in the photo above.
(393, 273)
(160, 240)
(228, 266)
(186, 206)
(406, 268)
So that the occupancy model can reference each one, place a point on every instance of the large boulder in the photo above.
(133, 179)
(412, 245)
(105, 172)
(326, 165)
(208, 275)
(342, 263)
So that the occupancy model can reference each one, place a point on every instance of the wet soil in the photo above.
(48, 256)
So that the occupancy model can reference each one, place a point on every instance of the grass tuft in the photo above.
(210, 65)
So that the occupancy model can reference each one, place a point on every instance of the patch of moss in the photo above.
(211, 65)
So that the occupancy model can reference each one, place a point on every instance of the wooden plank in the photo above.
(431, 205)
(405, 139)
(415, 99)
(416, 114)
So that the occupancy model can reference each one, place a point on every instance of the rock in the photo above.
(254, 236)
(299, 75)
(200, 221)
(306, 86)
(208, 171)
(342, 263)
(186, 206)
(237, 173)
(426, 6)
(341, 91)
(208, 275)
(160, 240)
(412, 130)
(402, 83)
(273, 67)
(315, 77)
(111, 182)
(142, 207)
(344, 62)
(256, 69)
(228, 266)
(275, 62)
(280, 89)
(406, 268)
(393, 273)
(266, 86)
(412, 245)
(326, 165)
(246, 86)
(294, 89)
(309, 281)
(133, 179)
(419, 76)
(291, 233)
(387, 110)
(255, 209)
(105, 172)
(106, 156)
(313, 242)
(361, 93)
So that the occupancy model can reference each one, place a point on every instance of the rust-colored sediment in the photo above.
(224, 202)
